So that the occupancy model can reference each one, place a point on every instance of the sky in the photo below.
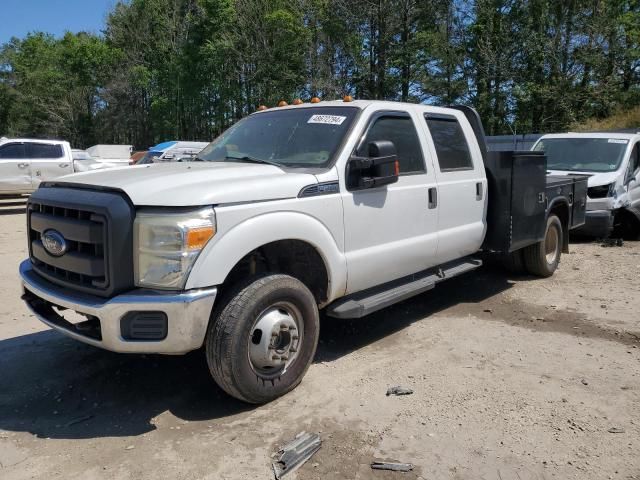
(19, 17)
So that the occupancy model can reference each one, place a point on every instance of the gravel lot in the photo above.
(513, 378)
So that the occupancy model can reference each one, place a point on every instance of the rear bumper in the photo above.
(598, 223)
(187, 314)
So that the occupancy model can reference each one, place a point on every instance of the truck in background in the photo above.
(25, 162)
(612, 163)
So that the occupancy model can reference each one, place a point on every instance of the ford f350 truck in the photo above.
(346, 207)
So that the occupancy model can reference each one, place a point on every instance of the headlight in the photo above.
(602, 191)
(167, 245)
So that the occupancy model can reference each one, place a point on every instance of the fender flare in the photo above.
(222, 253)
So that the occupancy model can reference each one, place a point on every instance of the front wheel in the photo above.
(261, 342)
(542, 258)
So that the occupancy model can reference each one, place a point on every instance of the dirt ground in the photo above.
(513, 378)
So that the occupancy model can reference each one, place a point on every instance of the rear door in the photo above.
(391, 230)
(15, 173)
(48, 161)
(462, 184)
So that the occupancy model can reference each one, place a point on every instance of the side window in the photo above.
(12, 150)
(635, 158)
(451, 145)
(45, 150)
(400, 130)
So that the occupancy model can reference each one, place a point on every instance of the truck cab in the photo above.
(612, 163)
(343, 206)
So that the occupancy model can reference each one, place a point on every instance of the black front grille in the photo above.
(97, 230)
(84, 262)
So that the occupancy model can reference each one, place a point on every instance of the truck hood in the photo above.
(197, 183)
(595, 179)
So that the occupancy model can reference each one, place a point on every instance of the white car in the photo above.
(612, 162)
(111, 155)
(343, 206)
(24, 163)
(84, 162)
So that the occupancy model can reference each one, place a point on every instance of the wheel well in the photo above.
(561, 210)
(296, 258)
(626, 224)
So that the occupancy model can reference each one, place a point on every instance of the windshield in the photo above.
(583, 154)
(301, 137)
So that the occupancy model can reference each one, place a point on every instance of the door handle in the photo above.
(479, 191)
(433, 197)
(23, 165)
(63, 165)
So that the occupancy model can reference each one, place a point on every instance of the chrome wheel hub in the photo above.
(275, 340)
(551, 245)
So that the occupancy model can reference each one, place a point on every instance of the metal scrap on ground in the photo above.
(398, 390)
(396, 467)
(295, 453)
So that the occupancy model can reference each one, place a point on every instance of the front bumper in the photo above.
(187, 314)
(598, 223)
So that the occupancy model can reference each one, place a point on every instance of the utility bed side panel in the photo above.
(573, 189)
(528, 208)
(516, 209)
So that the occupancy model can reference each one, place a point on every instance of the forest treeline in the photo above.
(187, 69)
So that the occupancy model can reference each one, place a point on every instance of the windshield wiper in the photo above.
(247, 158)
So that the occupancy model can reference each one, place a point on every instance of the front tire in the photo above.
(542, 258)
(261, 342)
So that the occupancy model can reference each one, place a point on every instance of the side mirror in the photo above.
(379, 168)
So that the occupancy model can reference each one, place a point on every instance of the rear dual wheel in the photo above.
(262, 340)
(542, 258)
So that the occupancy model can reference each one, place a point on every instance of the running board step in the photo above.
(368, 301)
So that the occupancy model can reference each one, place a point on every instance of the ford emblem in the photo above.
(54, 243)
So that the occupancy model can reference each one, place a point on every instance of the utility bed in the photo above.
(521, 196)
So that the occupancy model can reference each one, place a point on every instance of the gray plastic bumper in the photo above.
(598, 223)
(187, 314)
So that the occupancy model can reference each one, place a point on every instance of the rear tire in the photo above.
(261, 342)
(542, 258)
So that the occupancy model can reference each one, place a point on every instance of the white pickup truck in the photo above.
(343, 206)
(612, 162)
(24, 163)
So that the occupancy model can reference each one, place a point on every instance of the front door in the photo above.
(15, 173)
(633, 178)
(391, 231)
(47, 162)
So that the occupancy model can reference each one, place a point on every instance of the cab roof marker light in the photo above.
(282, 103)
(261, 108)
(297, 101)
(315, 100)
(347, 98)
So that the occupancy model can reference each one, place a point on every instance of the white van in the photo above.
(612, 162)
